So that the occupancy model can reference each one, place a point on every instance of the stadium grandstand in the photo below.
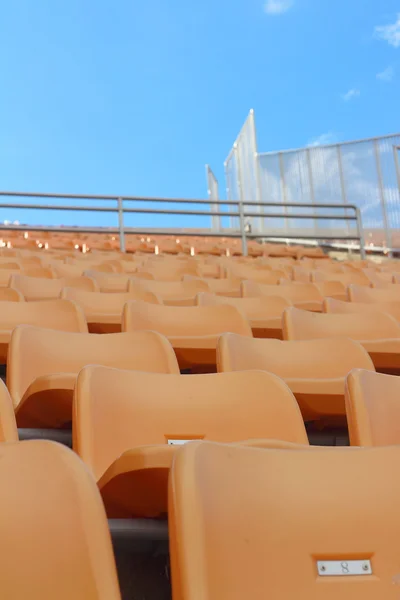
(199, 390)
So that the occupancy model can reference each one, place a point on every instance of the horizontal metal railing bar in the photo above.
(159, 211)
(155, 231)
(166, 200)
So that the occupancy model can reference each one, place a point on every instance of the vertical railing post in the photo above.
(242, 223)
(257, 173)
(311, 183)
(388, 233)
(121, 225)
(283, 188)
(360, 233)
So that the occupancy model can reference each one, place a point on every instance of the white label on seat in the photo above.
(178, 442)
(343, 568)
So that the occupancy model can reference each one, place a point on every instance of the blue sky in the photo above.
(135, 97)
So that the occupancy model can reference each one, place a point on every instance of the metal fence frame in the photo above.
(372, 156)
(213, 195)
(250, 209)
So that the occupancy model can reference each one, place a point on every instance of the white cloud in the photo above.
(324, 139)
(353, 93)
(389, 33)
(386, 75)
(278, 7)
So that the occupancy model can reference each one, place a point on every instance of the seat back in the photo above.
(224, 407)
(339, 307)
(102, 303)
(10, 295)
(184, 320)
(35, 352)
(8, 425)
(295, 292)
(62, 315)
(165, 289)
(252, 523)
(53, 526)
(109, 282)
(310, 359)
(253, 308)
(373, 408)
(304, 325)
(390, 293)
(36, 288)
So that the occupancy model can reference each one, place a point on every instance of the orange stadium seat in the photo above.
(109, 282)
(304, 295)
(62, 315)
(8, 425)
(129, 443)
(263, 313)
(35, 288)
(379, 335)
(390, 293)
(315, 370)
(10, 295)
(43, 365)
(192, 330)
(221, 287)
(103, 311)
(54, 525)
(280, 524)
(337, 306)
(373, 408)
(172, 293)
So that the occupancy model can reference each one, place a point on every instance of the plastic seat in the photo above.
(34, 288)
(338, 306)
(304, 295)
(314, 370)
(62, 315)
(109, 282)
(5, 276)
(251, 523)
(8, 425)
(221, 287)
(10, 295)
(379, 335)
(54, 525)
(354, 277)
(264, 314)
(103, 312)
(43, 365)
(373, 408)
(40, 272)
(390, 293)
(129, 443)
(192, 330)
(172, 293)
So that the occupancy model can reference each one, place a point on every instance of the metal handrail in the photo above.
(243, 212)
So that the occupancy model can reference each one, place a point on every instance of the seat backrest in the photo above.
(34, 352)
(252, 523)
(169, 288)
(295, 292)
(10, 295)
(224, 287)
(253, 308)
(310, 359)
(355, 277)
(184, 320)
(100, 302)
(53, 527)
(373, 408)
(8, 425)
(226, 407)
(332, 305)
(109, 282)
(363, 294)
(62, 315)
(304, 325)
(35, 288)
